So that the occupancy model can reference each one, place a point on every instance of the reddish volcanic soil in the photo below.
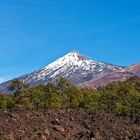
(80, 124)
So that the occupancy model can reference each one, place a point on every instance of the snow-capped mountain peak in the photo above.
(73, 66)
(70, 59)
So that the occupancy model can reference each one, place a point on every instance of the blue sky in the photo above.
(34, 33)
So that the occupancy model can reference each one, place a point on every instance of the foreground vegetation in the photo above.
(120, 98)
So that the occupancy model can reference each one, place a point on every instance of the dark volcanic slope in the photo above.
(66, 125)
(108, 78)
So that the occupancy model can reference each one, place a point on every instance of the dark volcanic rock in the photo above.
(80, 124)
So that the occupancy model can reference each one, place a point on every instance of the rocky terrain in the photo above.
(79, 124)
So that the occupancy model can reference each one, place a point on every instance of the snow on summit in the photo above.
(72, 58)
